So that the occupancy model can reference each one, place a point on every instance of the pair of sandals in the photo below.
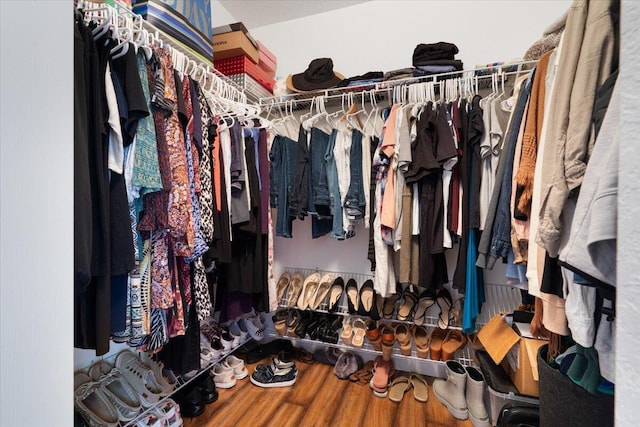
(417, 306)
(401, 385)
(445, 342)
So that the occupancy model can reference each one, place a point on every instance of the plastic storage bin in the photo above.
(500, 388)
(497, 401)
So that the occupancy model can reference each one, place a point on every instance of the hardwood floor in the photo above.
(319, 399)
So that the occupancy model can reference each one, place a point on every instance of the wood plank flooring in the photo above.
(319, 399)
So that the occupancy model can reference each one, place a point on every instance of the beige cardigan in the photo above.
(585, 63)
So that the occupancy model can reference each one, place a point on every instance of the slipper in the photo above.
(420, 387)
(454, 341)
(403, 336)
(323, 290)
(359, 332)
(435, 346)
(398, 388)
(295, 289)
(405, 309)
(335, 293)
(352, 296)
(444, 302)
(426, 300)
(363, 376)
(309, 289)
(281, 287)
(389, 306)
(382, 371)
(421, 338)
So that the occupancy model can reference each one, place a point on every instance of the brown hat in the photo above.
(319, 75)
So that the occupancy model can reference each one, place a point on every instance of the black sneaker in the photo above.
(278, 374)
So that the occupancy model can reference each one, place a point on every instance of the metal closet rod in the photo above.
(389, 85)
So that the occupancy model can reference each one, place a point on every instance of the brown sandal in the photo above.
(454, 341)
(388, 338)
(435, 346)
(403, 336)
(421, 338)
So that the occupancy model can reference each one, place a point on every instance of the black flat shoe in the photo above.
(367, 297)
(335, 295)
(352, 296)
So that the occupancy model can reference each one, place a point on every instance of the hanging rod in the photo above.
(388, 85)
(231, 89)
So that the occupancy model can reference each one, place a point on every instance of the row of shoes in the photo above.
(308, 324)
(325, 292)
(226, 374)
(108, 394)
(217, 340)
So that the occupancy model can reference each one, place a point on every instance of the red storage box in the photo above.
(244, 64)
(267, 60)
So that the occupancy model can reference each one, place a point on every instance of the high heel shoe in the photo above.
(421, 338)
(367, 296)
(388, 338)
(403, 336)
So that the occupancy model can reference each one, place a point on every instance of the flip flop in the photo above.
(454, 341)
(405, 309)
(398, 388)
(420, 387)
(426, 300)
(363, 375)
(444, 302)
(281, 286)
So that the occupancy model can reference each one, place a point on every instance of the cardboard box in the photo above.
(268, 61)
(243, 64)
(235, 43)
(517, 355)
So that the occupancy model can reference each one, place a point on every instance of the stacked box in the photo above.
(243, 64)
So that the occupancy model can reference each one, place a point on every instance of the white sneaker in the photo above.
(239, 370)
(171, 412)
(92, 403)
(164, 376)
(223, 376)
(117, 390)
(254, 326)
(140, 377)
(153, 419)
(236, 329)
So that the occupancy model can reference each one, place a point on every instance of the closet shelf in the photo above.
(183, 382)
(433, 368)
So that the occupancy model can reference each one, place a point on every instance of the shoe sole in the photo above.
(243, 375)
(457, 413)
(479, 422)
(228, 384)
(273, 385)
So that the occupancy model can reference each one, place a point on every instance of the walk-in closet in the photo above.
(333, 213)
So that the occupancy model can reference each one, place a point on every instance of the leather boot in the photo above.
(450, 392)
(475, 398)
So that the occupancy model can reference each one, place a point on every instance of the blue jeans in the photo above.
(283, 166)
(355, 202)
(318, 203)
(334, 190)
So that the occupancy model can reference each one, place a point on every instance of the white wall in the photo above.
(381, 35)
(220, 15)
(36, 214)
(628, 274)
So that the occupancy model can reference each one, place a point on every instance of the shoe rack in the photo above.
(500, 298)
(182, 381)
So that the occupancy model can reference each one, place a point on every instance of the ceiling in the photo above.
(256, 14)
